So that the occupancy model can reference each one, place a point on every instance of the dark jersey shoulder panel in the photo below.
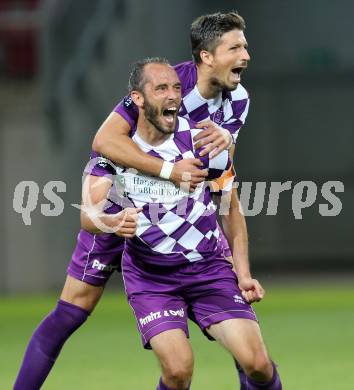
(187, 73)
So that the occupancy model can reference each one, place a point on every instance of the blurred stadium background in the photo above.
(64, 65)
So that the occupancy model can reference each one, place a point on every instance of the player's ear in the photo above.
(206, 57)
(137, 98)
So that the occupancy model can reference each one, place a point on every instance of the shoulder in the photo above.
(187, 73)
(99, 165)
(185, 68)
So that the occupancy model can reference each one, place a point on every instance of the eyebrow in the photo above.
(166, 85)
(239, 44)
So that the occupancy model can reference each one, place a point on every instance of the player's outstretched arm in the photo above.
(235, 229)
(112, 141)
(95, 220)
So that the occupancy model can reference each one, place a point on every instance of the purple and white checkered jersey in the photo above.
(229, 109)
(175, 226)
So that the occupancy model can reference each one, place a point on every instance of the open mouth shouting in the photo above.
(236, 74)
(169, 115)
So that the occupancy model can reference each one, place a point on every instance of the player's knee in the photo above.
(259, 367)
(179, 378)
(179, 371)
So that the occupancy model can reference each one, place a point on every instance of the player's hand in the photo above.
(128, 222)
(188, 173)
(123, 224)
(213, 137)
(251, 289)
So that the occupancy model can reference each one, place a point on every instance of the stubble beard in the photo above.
(151, 114)
(218, 86)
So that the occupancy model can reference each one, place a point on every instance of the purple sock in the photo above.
(249, 384)
(162, 386)
(241, 375)
(46, 343)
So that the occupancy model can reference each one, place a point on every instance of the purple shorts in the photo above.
(96, 257)
(162, 298)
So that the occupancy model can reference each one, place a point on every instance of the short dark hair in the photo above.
(136, 78)
(207, 30)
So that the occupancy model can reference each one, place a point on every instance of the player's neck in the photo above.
(206, 88)
(149, 134)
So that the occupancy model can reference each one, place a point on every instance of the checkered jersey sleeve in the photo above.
(235, 111)
(99, 166)
(128, 110)
(102, 167)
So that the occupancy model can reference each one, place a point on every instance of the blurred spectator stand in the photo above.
(19, 26)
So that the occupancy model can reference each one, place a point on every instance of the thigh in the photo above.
(81, 293)
(241, 337)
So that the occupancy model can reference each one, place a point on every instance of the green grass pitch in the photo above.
(308, 330)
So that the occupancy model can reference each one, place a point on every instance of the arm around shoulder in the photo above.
(112, 140)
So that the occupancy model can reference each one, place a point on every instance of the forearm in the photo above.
(95, 222)
(124, 151)
(95, 190)
(235, 229)
(88, 225)
(112, 141)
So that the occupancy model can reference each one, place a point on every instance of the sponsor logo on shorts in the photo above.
(158, 314)
(103, 267)
(238, 299)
